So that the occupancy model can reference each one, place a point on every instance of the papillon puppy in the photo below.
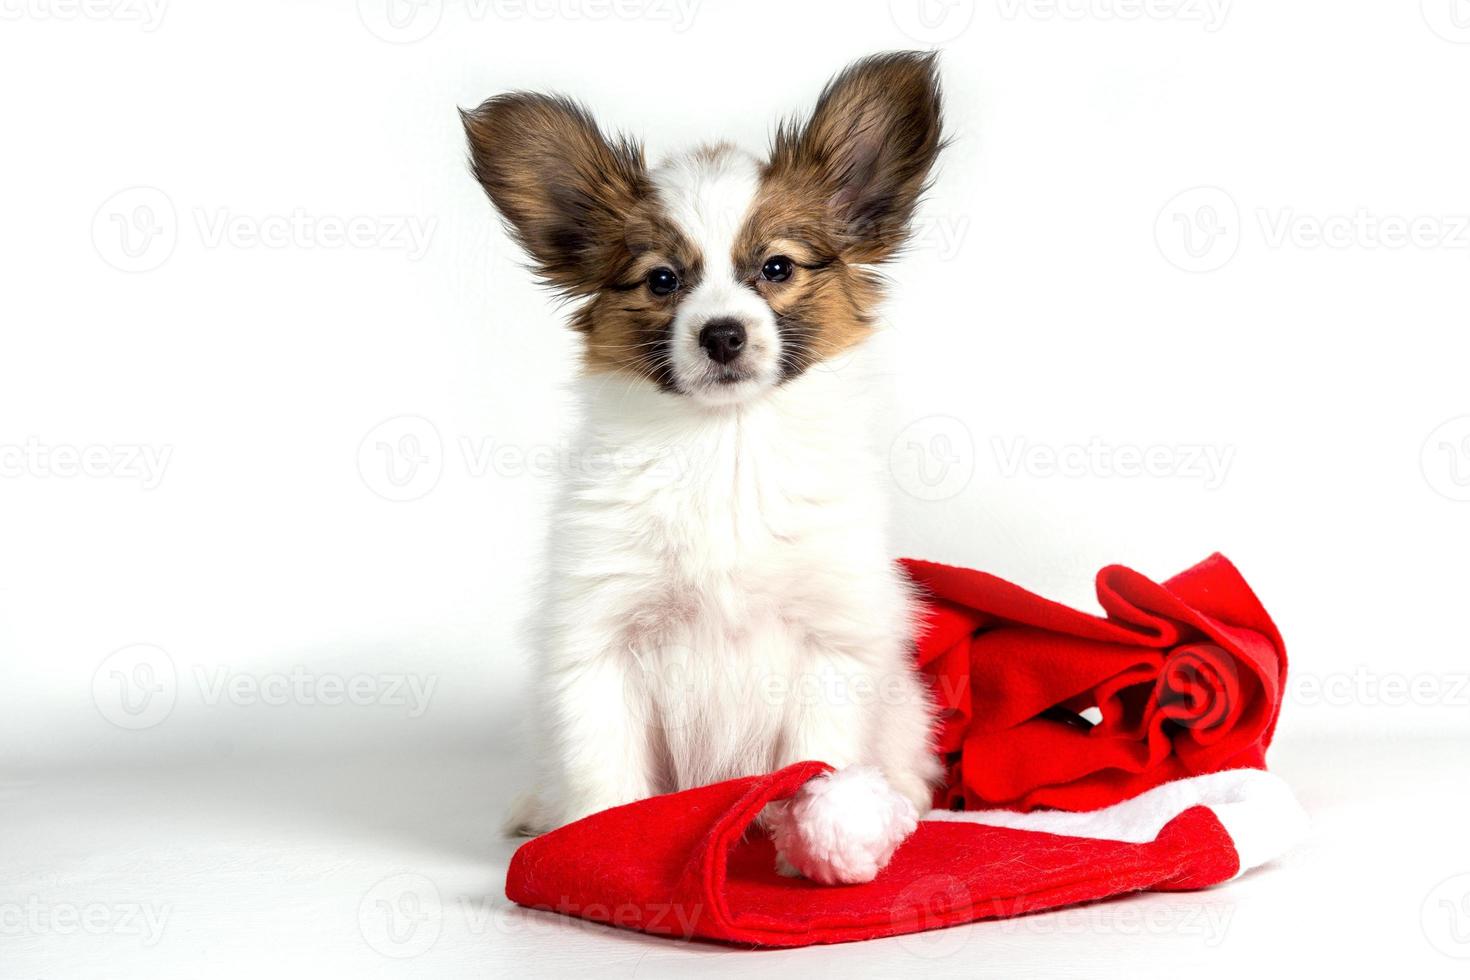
(720, 600)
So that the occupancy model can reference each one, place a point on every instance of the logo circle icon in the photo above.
(135, 687)
(401, 916)
(661, 687)
(931, 903)
(1199, 229)
(933, 458)
(932, 21)
(1445, 459)
(136, 229)
(1450, 19)
(402, 458)
(1445, 917)
(400, 21)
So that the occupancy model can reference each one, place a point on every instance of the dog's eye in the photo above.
(662, 281)
(778, 268)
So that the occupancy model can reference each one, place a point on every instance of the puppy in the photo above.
(720, 599)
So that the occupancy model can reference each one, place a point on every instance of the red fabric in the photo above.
(1188, 677)
(684, 865)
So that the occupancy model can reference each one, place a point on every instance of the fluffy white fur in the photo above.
(721, 601)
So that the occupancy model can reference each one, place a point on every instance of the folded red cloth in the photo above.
(690, 864)
(1186, 677)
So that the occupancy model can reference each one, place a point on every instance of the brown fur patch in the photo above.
(581, 206)
(626, 326)
(826, 305)
(565, 190)
(866, 152)
(840, 192)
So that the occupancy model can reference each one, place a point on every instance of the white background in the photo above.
(280, 412)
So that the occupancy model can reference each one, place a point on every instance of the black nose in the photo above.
(723, 338)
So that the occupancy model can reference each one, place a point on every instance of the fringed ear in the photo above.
(565, 189)
(869, 145)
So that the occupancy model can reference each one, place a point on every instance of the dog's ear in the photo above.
(869, 146)
(565, 189)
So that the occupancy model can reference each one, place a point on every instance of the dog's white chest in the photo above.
(751, 551)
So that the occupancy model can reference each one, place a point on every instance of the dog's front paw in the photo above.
(841, 828)
(528, 817)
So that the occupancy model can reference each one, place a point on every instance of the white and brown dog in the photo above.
(742, 612)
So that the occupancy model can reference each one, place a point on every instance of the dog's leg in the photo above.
(903, 737)
(599, 733)
(842, 827)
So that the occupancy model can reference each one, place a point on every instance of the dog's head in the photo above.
(718, 275)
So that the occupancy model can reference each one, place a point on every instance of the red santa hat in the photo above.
(691, 864)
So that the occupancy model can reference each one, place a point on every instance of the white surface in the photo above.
(250, 664)
(278, 869)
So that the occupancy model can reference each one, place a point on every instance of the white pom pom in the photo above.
(841, 828)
